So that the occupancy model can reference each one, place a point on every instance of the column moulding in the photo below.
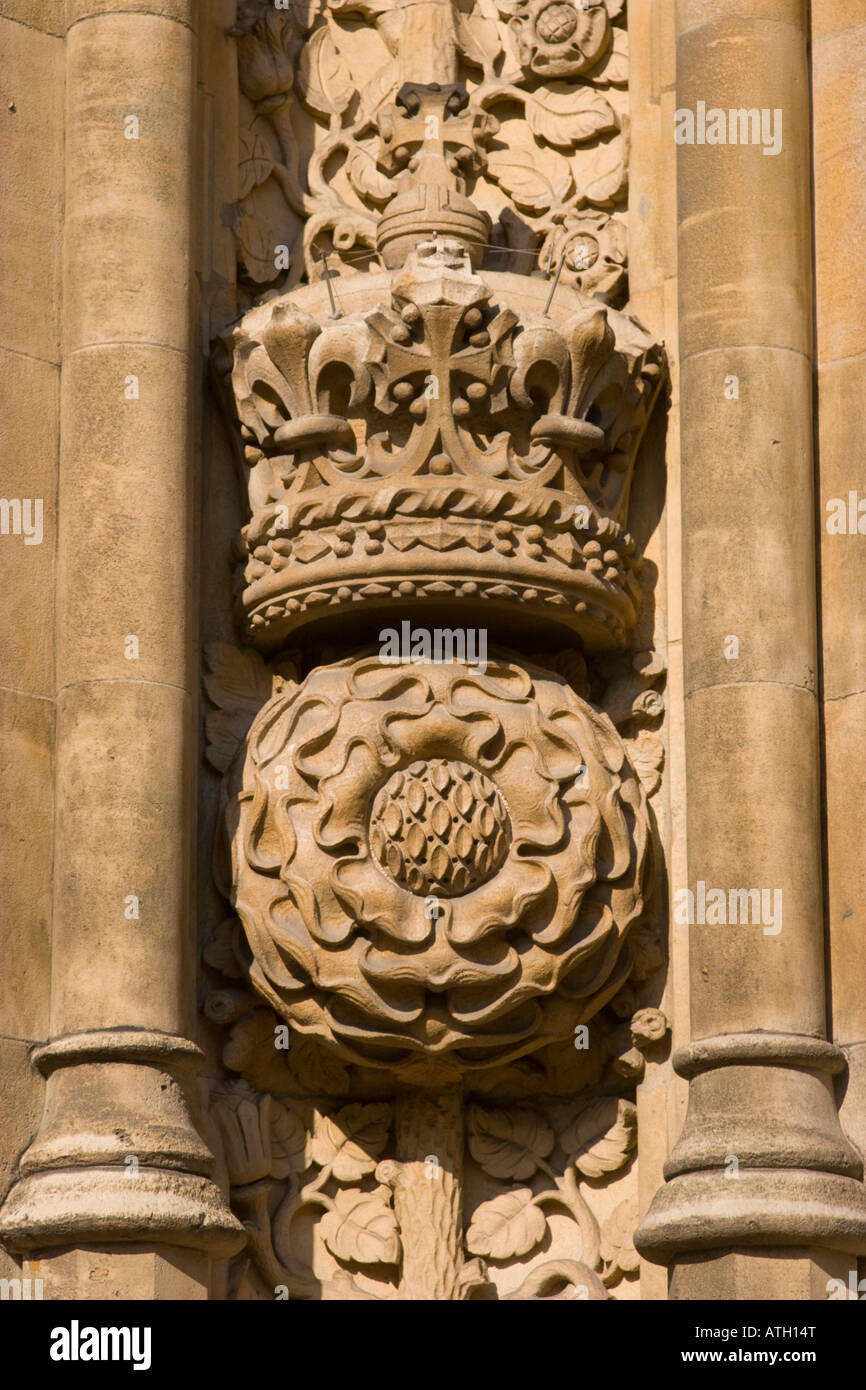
(117, 1159)
(760, 1072)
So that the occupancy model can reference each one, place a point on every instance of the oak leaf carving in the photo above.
(508, 1143)
(324, 80)
(533, 188)
(352, 1141)
(601, 1136)
(507, 1226)
(564, 117)
(361, 1228)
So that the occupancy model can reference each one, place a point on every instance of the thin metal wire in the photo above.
(487, 245)
(330, 275)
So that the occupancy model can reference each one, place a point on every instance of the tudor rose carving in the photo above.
(399, 786)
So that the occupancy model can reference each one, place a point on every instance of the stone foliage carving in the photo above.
(310, 1162)
(328, 1212)
(438, 976)
(547, 78)
(544, 1154)
(433, 863)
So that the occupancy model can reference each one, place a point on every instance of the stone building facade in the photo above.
(433, 686)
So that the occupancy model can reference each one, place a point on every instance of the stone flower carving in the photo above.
(557, 38)
(435, 867)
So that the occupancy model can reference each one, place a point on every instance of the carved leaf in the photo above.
(646, 753)
(517, 172)
(646, 952)
(506, 1226)
(613, 68)
(362, 1228)
(381, 86)
(258, 235)
(238, 683)
(600, 1138)
(245, 1142)
(612, 181)
(316, 1070)
(289, 1151)
(352, 1141)
(508, 1143)
(478, 39)
(304, 1066)
(219, 952)
(366, 179)
(324, 80)
(617, 1246)
(616, 68)
(563, 116)
(256, 161)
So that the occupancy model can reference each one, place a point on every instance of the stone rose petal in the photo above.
(385, 971)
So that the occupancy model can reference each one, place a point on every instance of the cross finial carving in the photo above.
(433, 133)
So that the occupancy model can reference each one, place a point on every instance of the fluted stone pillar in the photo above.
(117, 1157)
(762, 1163)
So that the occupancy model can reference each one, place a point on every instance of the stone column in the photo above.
(762, 1163)
(839, 107)
(31, 208)
(117, 1157)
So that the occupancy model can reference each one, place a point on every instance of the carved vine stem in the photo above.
(253, 1205)
(287, 174)
(428, 1192)
(569, 1196)
(282, 1269)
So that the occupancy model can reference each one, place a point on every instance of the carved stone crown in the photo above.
(435, 434)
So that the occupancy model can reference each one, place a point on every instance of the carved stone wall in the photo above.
(546, 146)
(412, 605)
(443, 957)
